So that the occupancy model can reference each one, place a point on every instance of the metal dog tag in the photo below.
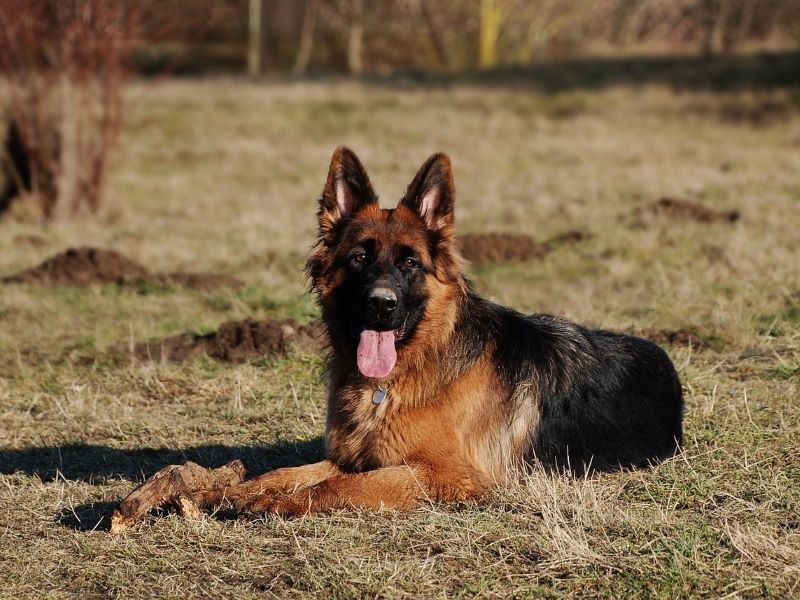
(379, 395)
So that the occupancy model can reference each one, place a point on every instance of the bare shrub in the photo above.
(65, 63)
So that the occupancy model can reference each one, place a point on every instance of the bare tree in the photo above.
(434, 32)
(489, 33)
(64, 63)
(355, 42)
(257, 38)
(306, 37)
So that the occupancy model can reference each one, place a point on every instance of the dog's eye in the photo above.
(360, 257)
(410, 263)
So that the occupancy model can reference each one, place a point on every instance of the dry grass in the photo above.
(222, 175)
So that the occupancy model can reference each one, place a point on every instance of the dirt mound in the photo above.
(237, 341)
(481, 248)
(86, 266)
(494, 247)
(568, 238)
(35, 241)
(678, 208)
(83, 266)
(674, 337)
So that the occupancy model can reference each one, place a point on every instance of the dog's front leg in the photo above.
(397, 487)
(254, 495)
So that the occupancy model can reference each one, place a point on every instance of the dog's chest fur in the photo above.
(363, 435)
(417, 422)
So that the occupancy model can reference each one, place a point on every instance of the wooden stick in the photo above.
(188, 487)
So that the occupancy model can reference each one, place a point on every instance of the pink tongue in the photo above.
(376, 353)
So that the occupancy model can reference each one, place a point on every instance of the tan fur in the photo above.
(458, 419)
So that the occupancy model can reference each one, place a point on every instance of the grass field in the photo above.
(222, 175)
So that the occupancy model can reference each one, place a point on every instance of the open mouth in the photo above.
(377, 351)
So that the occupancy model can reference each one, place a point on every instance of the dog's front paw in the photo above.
(276, 503)
(257, 504)
(297, 504)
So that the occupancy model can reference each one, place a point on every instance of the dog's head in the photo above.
(379, 272)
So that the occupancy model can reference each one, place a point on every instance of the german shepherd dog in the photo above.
(436, 394)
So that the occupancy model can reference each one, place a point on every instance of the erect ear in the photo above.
(346, 191)
(432, 193)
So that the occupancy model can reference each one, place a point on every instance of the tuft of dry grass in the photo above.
(222, 175)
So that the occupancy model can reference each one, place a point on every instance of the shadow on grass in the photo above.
(765, 70)
(98, 464)
(759, 70)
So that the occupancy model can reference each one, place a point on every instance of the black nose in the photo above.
(383, 301)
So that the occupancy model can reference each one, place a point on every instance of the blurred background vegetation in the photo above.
(65, 62)
(385, 36)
